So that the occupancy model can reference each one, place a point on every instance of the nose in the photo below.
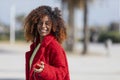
(43, 25)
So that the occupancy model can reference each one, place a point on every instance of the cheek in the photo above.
(50, 27)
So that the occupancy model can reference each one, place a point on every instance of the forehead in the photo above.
(45, 18)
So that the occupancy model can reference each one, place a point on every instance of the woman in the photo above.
(46, 59)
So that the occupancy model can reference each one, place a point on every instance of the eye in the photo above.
(48, 23)
(39, 23)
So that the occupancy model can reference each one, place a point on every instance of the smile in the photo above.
(43, 30)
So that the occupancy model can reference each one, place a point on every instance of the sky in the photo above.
(100, 11)
(22, 7)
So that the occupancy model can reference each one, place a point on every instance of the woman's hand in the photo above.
(39, 67)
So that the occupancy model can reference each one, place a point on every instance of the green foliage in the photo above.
(19, 36)
(4, 37)
(113, 35)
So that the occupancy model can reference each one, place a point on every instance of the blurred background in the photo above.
(92, 46)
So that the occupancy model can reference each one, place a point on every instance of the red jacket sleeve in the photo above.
(27, 56)
(58, 68)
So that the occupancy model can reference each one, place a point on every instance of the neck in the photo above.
(41, 38)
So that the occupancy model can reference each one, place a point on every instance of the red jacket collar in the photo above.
(47, 39)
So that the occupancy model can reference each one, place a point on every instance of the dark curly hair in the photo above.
(58, 26)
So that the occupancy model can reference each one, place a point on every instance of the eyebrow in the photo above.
(48, 21)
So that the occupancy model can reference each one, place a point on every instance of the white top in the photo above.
(33, 55)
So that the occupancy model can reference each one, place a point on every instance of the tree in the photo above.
(86, 39)
(20, 20)
(70, 40)
(72, 4)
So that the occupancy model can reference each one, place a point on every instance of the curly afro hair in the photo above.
(58, 26)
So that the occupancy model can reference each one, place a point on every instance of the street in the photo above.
(89, 67)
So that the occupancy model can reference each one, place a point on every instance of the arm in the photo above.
(58, 68)
(27, 56)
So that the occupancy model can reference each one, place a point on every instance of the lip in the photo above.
(43, 30)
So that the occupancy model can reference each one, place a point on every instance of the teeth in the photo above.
(43, 30)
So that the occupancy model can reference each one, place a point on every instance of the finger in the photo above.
(42, 66)
(38, 70)
(37, 66)
(42, 62)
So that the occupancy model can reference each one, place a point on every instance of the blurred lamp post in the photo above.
(85, 31)
(12, 24)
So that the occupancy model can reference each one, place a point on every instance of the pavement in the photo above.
(88, 67)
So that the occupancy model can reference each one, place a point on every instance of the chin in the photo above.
(44, 34)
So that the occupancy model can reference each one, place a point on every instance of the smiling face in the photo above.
(44, 26)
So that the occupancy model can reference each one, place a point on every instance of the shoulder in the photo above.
(56, 51)
(32, 46)
(55, 45)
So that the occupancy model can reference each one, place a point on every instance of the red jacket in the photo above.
(54, 57)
